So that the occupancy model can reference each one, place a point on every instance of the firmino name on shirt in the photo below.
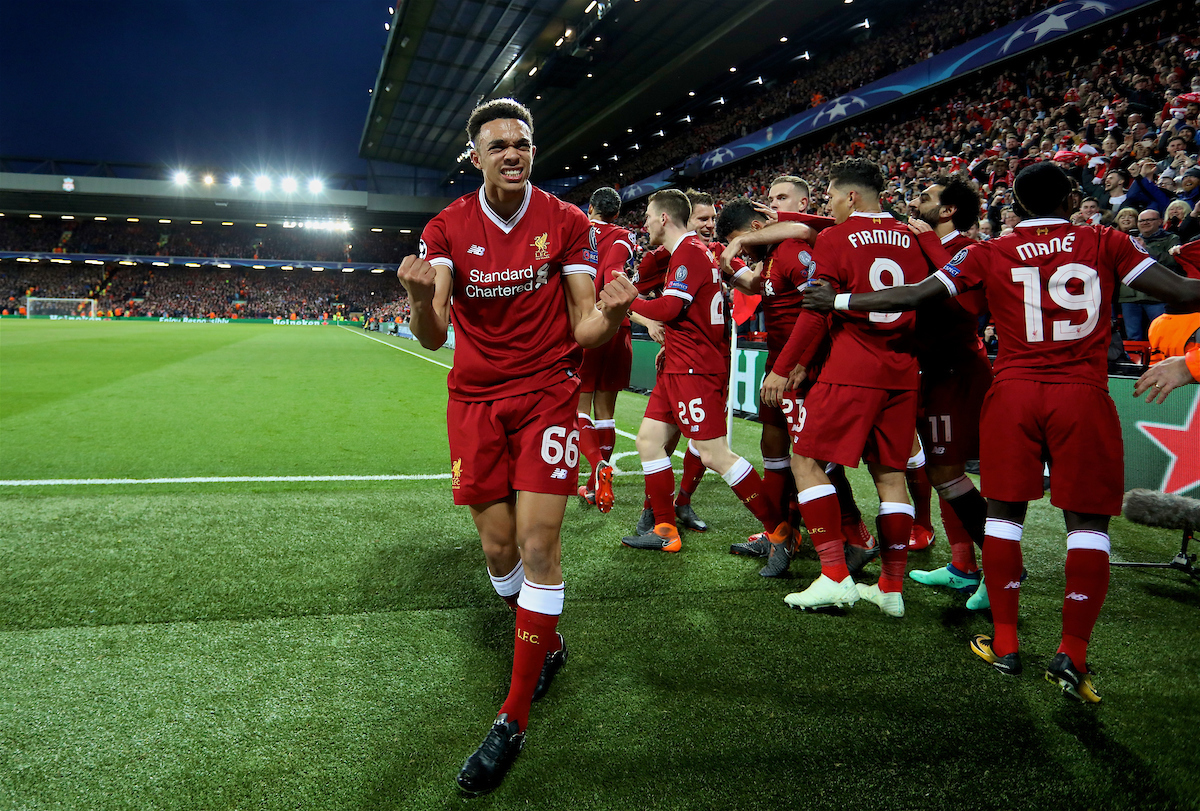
(1028, 250)
(483, 284)
(879, 236)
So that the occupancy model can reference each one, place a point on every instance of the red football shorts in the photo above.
(607, 368)
(527, 442)
(1073, 426)
(844, 424)
(951, 400)
(695, 403)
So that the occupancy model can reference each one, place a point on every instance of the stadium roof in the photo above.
(590, 71)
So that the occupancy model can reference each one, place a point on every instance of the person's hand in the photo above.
(773, 387)
(1078, 219)
(660, 359)
(766, 211)
(818, 296)
(1163, 378)
(658, 333)
(1148, 169)
(729, 254)
(418, 278)
(617, 295)
(919, 227)
(1175, 249)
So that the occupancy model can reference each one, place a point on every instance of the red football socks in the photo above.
(693, 471)
(606, 433)
(535, 637)
(777, 482)
(968, 505)
(660, 487)
(1002, 566)
(1087, 586)
(962, 548)
(747, 486)
(920, 490)
(895, 526)
(589, 445)
(850, 512)
(823, 517)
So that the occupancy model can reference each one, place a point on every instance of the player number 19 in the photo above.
(559, 446)
(1086, 301)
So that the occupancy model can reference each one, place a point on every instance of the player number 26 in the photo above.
(559, 446)
(694, 409)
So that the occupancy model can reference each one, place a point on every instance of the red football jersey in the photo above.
(652, 270)
(786, 271)
(871, 251)
(1049, 286)
(697, 341)
(512, 329)
(614, 248)
(949, 330)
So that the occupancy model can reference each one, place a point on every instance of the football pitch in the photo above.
(239, 582)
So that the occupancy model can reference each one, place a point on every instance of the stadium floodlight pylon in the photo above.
(62, 307)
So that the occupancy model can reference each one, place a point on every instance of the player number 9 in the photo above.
(554, 450)
(878, 267)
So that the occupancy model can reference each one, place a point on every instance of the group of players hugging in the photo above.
(871, 327)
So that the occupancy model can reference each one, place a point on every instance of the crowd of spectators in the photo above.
(210, 239)
(1113, 107)
(911, 32)
(172, 292)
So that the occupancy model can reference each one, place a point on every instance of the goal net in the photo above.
(67, 307)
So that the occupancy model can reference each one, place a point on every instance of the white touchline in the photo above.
(393, 346)
(625, 434)
(407, 477)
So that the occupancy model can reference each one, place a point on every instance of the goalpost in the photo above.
(70, 307)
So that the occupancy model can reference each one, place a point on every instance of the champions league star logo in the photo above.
(840, 107)
(1057, 20)
(717, 157)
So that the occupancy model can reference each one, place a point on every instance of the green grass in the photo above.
(336, 645)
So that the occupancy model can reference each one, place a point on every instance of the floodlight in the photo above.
(315, 186)
(288, 184)
(262, 183)
(235, 181)
(208, 180)
(181, 178)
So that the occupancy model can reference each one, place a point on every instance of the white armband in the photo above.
(841, 301)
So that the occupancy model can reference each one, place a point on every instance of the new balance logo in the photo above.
(559, 473)
(1077, 596)
(898, 546)
(1013, 584)
(476, 250)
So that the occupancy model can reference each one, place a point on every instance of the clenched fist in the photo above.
(418, 278)
(617, 295)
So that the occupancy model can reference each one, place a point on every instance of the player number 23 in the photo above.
(1087, 300)
(559, 446)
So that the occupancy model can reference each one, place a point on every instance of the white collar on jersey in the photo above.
(1042, 221)
(950, 236)
(681, 239)
(506, 225)
(872, 214)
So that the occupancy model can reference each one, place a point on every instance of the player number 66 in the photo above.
(555, 450)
